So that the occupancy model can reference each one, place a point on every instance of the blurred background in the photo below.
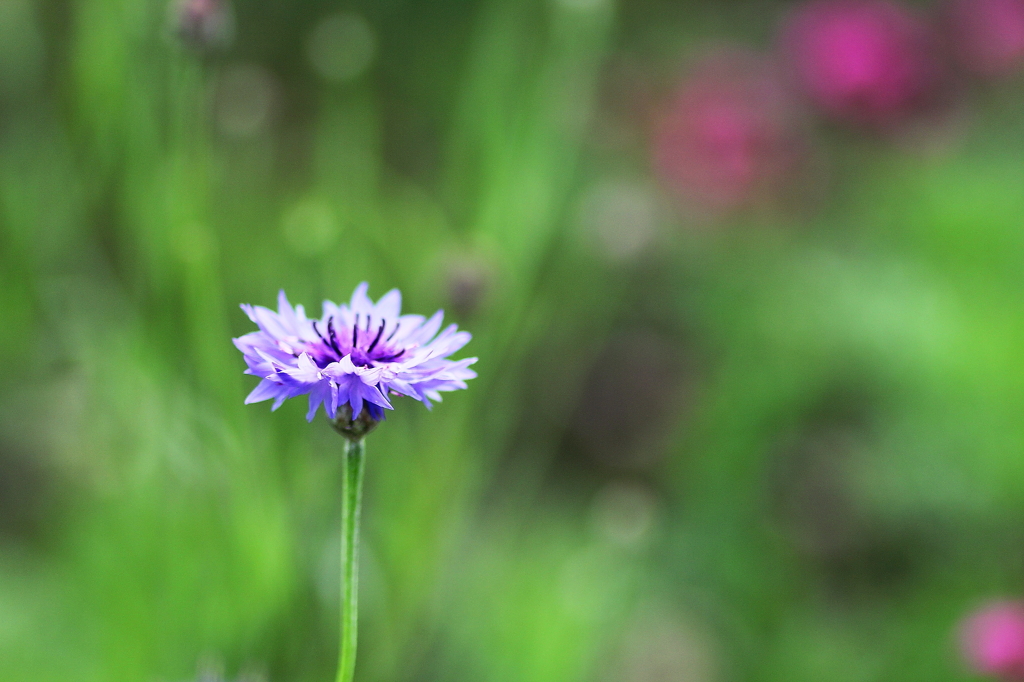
(746, 281)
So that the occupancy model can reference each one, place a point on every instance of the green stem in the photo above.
(351, 493)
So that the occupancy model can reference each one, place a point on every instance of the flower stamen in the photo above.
(380, 332)
(334, 337)
(317, 330)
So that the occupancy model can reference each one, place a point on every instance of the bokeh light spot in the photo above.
(620, 216)
(341, 47)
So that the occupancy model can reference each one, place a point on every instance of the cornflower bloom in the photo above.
(352, 358)
(350, 361)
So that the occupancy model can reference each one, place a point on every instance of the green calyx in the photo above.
(353, 429)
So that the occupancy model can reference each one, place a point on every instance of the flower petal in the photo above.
(265, 390)
(389, 305)
(355, 399)
(361, 303)
(426, 332)
(373, 395)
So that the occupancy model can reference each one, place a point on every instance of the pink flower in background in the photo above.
(987, 36)
(203, 24)
(727, 135)
(868, 61)
(992, 639)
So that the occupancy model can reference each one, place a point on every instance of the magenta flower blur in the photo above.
(987, 36)
(203, 24)
(992, 639)
(353, 357)
(869, 61)
(727, 138)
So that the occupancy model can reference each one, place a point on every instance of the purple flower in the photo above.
(987, 36)
(353, 357)
(992, 639)
(870, 61)
(728, 136)
(203, 24)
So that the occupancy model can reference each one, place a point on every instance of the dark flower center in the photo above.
(366, 345)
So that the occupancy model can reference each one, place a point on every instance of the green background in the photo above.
(786, 446)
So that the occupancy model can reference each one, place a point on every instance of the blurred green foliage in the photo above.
(787, 448)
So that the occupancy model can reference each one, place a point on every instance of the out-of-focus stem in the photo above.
(351, 493)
